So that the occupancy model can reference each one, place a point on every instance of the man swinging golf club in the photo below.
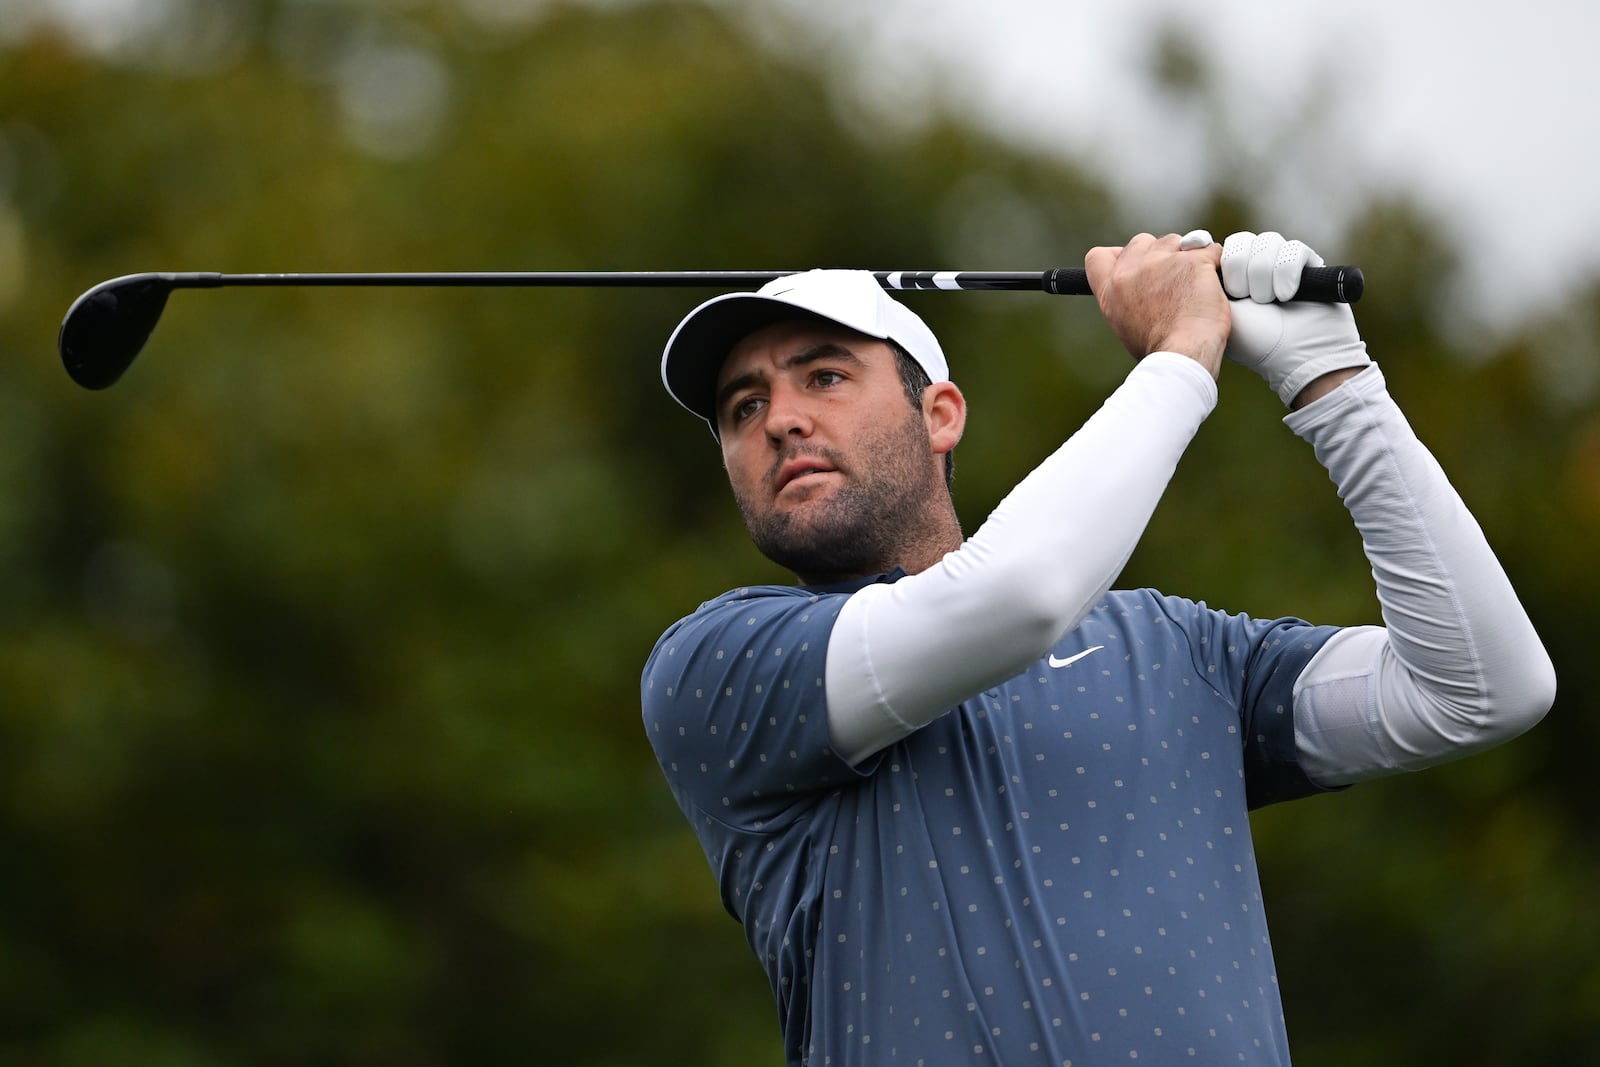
(971, 805)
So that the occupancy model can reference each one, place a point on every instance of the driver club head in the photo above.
(106, 327)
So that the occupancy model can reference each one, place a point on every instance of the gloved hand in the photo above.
(1290, 345)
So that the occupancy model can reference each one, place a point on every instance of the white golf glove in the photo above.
(1290, 345)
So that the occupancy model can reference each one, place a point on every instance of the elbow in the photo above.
(1040, 615)
(1513, 700)
(1522, 701)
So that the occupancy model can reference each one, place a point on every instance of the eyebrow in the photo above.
(827, 350)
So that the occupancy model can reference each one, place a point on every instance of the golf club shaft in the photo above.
(1319, 284)
(105, 328)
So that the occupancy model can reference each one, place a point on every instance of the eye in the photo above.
(826, 378)
(743, 408)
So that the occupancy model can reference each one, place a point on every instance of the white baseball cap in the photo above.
(851, 298)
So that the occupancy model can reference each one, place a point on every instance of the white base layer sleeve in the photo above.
(1457, 665)
(901, 654)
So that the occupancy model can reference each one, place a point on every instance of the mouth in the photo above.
(801, 469)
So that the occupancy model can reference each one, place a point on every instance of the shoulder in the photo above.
(1216, 638)
(750, 606)
(743, 619)
(1253, 660)
(760, 605)
(733, 698)
(1192, 615)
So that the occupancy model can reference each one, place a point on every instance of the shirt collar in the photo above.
(852, 585)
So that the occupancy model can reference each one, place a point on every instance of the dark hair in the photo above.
(915, 380)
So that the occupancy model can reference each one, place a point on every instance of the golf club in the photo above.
(105, 328)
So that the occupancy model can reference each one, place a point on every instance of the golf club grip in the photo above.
(1324, 285)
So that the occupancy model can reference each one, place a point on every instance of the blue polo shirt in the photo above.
(1056, 871)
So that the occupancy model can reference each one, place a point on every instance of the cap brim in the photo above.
(702, 342)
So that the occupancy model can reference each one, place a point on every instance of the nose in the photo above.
(787, 415)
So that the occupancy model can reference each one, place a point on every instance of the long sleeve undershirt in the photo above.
(1457, 666)
(903, 653)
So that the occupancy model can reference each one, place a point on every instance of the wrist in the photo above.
(1205, 350)
(1322, 386)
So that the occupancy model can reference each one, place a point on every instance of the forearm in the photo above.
(1457, 665)
(1322, 386)
(902, 654)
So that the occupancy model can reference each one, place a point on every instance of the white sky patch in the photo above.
(101, 25)
(394, 97)
(1484, 114)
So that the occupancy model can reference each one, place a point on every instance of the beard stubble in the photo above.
(862, 528)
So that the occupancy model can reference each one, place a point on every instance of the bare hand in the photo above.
(1157, 298)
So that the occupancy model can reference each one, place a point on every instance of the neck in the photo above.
(927, 545)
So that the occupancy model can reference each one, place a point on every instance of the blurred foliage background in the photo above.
(321, 632)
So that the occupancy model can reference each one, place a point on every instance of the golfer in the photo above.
(969, 804)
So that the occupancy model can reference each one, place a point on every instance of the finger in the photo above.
(1235, 264)
(1098, 263)
(1194, 239)
(1293, 258)
(1212, 252)
(1263, 259)
(1140, 244)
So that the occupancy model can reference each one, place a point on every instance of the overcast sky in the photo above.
(1485, 112)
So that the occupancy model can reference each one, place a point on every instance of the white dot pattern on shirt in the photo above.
(1132, 894)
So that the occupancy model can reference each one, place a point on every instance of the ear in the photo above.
(944, 410)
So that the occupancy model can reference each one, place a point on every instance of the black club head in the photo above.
(107, 326)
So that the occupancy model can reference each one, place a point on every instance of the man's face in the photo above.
(830, 464)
